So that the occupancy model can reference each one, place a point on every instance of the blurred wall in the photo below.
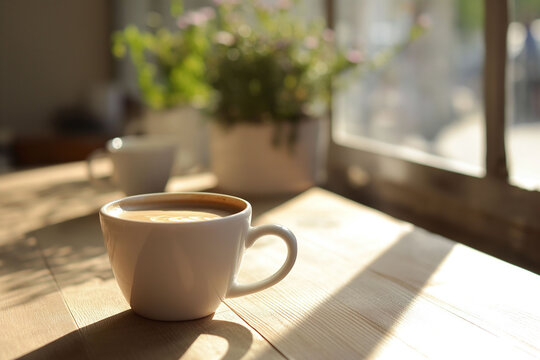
(52, 54)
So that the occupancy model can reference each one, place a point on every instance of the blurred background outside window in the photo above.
(523, 94)
(427, 100)
(426, 103)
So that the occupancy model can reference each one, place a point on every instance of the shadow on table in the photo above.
(358, 317)
(127, 335)
(72, 250)
(45, 205)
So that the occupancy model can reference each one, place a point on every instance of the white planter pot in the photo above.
(187, 128)
(245, 161)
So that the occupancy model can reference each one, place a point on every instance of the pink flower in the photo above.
(209, 12)
(328, 35)
(354, 56)
(284, 4)
(311, 42)
(196, 18)
(424, 20)
(182, 22)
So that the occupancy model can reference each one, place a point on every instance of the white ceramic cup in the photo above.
(182, 271)
(142, 164)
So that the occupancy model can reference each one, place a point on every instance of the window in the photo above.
(426, 100)
(443, 133)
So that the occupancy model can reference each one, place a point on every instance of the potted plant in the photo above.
(262, 72)
(271, 72)
(171, 74)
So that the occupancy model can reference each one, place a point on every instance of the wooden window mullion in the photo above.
(495, 28)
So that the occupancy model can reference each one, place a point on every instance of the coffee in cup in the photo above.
(174, 211)
(176, 256)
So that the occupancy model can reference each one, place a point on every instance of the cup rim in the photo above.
(245, 211)
(139, 143)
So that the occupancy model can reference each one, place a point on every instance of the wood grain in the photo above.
(32, 311)
(368, 286)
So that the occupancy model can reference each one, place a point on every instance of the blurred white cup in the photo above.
(141, 164)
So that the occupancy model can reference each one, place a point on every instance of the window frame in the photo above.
(486, 212)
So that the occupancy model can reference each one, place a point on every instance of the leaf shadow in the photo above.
(73, 246)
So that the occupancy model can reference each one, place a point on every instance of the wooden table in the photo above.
(365, 285)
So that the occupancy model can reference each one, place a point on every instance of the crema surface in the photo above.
(172, 215)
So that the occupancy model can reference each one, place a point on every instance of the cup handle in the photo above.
(98, 153)
(292, 249)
